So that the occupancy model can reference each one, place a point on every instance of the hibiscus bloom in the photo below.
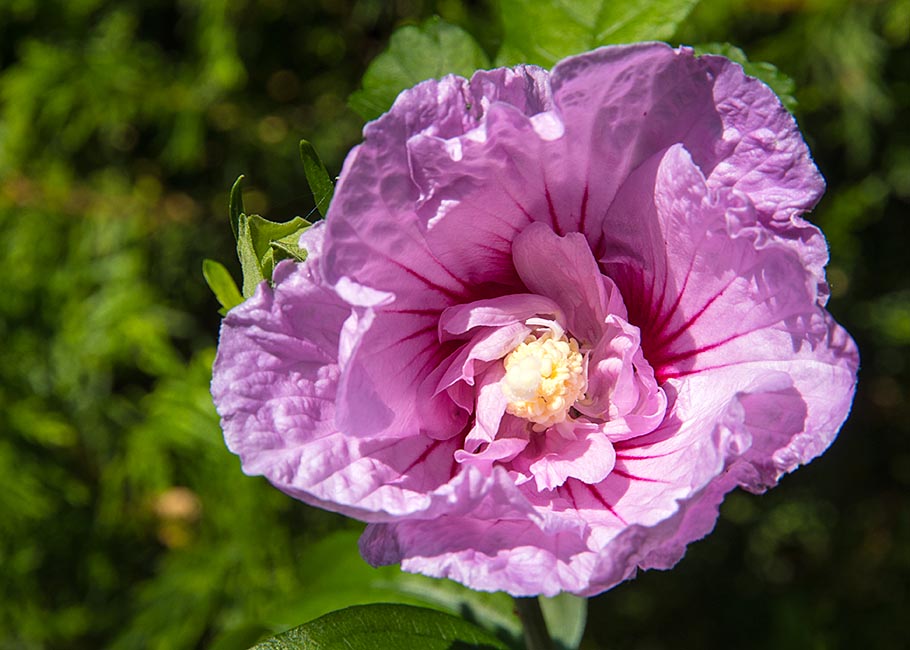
(550, 320)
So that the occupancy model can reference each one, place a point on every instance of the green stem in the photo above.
(535, 628)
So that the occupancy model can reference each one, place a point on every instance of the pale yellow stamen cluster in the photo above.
(544, 377)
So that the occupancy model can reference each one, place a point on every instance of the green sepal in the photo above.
(222, 285)
(367, 627)
(566, 616)
(317, 177)
(782, 85)
(261, 244)
(235, 205)
(430, 51)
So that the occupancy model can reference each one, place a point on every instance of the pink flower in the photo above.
(550, 320)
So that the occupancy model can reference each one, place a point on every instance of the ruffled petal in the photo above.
(576, 450)
(473, 357)
(563, 270)
(520, 557)
(760, 152)
(385, 220)
(622, 391)
(726, 288)
(496, 312)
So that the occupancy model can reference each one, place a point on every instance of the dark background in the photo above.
(125, 523)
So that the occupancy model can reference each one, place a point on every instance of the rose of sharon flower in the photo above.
(549, 321)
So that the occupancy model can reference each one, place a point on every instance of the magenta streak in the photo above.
(632, 477)
(695, 371)
(633, 295)
(663, 294)
(625, 457)
(667, 339)
(650, 292)
(659, 327)
(433, 359)
(414, 335)
(492, 249)
(509, 224)
(597, 495)
(423, 456)
(410, 337)
(520, 207)
(627, 286)
(443, 290)
(582, 219)
(554, 220)
(662, 340)
(661, 362)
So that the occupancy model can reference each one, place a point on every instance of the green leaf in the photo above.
(368, 627)
(265, 233)
(317, 176)
(235, 205)
(780, 83)
(262, 243)
(222, 285)
(544, 31)
(415, 54)
(249, 260)
(566, 616)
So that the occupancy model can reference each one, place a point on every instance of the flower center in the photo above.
(544, 376)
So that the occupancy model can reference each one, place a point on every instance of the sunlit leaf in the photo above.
(317, 177)
(544, 31)
(262, 243)
(249, 260)
(222, 285)
(368, 627)
(415, 54)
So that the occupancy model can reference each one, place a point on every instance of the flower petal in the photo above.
(563, 270)
(519, 557)
(726, 291)
(569, 450)
(622, 389)
(495, 312)
(761, 152)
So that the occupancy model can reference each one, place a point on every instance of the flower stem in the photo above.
(535, 628)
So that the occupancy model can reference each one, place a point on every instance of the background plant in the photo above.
(125, 523)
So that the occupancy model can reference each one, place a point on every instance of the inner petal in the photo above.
(564, 270)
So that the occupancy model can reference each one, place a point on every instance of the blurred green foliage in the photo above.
(125, 523)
